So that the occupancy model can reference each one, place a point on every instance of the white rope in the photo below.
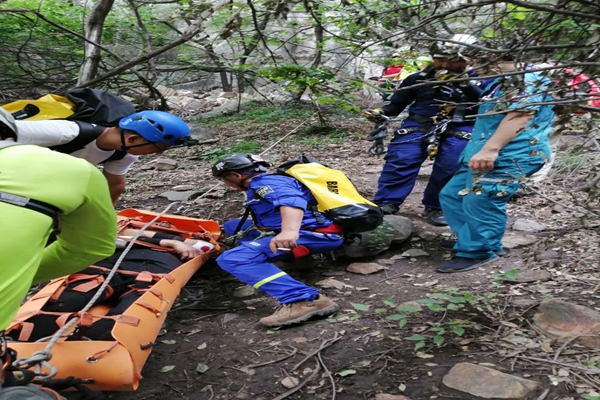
(41, 357)
(288, 134)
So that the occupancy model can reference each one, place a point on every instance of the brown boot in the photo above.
(293, 313)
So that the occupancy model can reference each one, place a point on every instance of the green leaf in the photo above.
(457, 300)
(438, 340)
(380, 310)
(167, 368)
(408, 308)
(441, 296)
(459, 330)
(416, 338)
(436, 307)
(201, 368)
(402, 323)
(389, 302)
(419, 345)
(396, 317)
(169, 341)
(451, 306)
(427, 301)
(360, 307)
(346, 372)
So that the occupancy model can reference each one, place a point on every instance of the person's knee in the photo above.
(231, 259)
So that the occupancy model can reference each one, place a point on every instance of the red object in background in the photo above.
(393, 69)
(583, 84)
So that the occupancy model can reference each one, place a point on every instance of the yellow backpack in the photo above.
(336, 196)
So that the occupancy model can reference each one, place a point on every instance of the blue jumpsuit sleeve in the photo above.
(402, 99)
(281, 191)
(521, 93)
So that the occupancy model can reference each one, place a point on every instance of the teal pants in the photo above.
(475, 207)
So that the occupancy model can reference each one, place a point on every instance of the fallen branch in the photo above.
(290, 355)
(301, 384)
(331, 379)
(324, 345)
(588, 370)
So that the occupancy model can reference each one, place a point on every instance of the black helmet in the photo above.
(451, 50)
(239, 163)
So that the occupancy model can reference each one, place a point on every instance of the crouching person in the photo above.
(283, 206)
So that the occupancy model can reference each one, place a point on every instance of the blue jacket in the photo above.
(515, 93)
(426, 101)
(269, 192)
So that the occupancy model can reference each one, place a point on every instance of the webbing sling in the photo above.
(31, 204)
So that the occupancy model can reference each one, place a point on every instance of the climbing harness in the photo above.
(377, 135)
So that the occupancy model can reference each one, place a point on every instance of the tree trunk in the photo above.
(93, 31)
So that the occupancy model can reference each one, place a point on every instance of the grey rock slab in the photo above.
(385, 396)
(528, 225)
(182, 188)
(401, 227)
(488, 383)
(201, 132)
(562, 320)
(428, 236)
(172, 195)
(530, 276)
(513, 240)
(330, 283)
(244, 291)
(164, 164)
(228, 317)
(364, 268)
(415, 253)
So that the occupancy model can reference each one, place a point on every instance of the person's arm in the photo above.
(291, 220)
(510, 127)
(88, 233)
(401, 99)
(116, 185)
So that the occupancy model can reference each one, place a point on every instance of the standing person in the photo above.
(430, 104)
(507, 145)
(282, 205)
(42, 191)
(115, 147)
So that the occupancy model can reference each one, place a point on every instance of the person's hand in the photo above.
(373, 115)
(285, 239)
(186, 251)
(484, 160)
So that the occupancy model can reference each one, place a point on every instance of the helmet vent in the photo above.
(168, 136)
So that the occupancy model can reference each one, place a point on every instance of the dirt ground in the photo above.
(212, 346)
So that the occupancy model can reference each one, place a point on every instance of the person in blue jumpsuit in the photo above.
(286, 228)
(507, 145)
(408, 148)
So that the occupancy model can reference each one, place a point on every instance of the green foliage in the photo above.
(450, 302)
(247, 147)
(256, 113)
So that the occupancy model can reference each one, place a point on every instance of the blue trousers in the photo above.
(403, 160)
(478, 214)
(250, 262)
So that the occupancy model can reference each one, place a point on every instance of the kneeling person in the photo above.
(282, 205)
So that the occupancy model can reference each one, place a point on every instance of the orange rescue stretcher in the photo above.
(116, 365)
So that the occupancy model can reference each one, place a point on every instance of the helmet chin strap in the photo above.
(241, 183)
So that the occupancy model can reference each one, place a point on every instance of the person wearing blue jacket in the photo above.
(509, 142)
(429, 106)
(285, 227)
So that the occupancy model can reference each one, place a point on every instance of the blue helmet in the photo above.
(157, 127)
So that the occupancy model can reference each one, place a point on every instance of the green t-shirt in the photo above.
(88, 228)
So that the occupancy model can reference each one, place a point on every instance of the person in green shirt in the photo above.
(42, 191)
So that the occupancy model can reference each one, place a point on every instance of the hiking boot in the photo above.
(449, 245)
(389, 208)
(293, 313)
(435, 217)
(460, 264)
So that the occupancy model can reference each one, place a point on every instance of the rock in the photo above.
(244, 291)
(558, 208)
(229, 95)
(385, 396)
(179, 196)
(528, 225)
(428, 236)
(425, 171)
(182, 188)
(364, 268)
(290, 382)
(415, 253)
(487, 383)
(201, 132)
(165, 164)
(367, 244)
(330, 283)
(513, 240)
(562, 320)
(530, 276)
(402, 227)
(228, 317)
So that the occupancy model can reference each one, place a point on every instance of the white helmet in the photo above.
(7, 119)
(461, 49)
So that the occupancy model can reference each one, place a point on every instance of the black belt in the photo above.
(35, 205)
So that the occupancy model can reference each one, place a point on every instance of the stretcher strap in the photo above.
(26, 331)
(149, 306)
(156, 277)
(163, 226)
(102, 353)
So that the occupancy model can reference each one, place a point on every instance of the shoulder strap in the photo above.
(117, 155)
(7, 143)
(87, 134)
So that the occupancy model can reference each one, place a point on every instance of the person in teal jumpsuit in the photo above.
(509, 142)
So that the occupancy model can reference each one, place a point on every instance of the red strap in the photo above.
(26, 331)
(333, 228)
(300, 251)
